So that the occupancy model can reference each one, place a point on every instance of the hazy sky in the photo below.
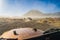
(20, 7)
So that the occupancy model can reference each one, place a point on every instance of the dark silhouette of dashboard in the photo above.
(52, 34)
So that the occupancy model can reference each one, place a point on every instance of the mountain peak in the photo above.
(38, 14)
(34, 13)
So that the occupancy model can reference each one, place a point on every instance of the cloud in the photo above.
(51, 6)
(1, 4)
(45, 7)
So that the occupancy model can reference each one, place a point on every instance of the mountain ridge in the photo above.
(37, 13)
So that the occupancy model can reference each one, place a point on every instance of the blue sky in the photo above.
(20, 7)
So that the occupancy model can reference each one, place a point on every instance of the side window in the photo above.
(15, 33)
